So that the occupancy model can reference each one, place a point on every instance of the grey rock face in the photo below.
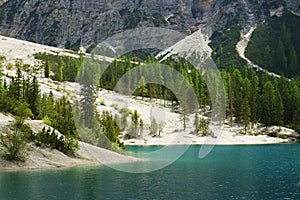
(68, 22)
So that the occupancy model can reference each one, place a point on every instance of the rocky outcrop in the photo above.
(82, 22)
(284, 133)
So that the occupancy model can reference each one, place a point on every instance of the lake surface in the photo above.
(228, 172)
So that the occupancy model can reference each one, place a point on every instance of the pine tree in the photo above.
(47, 69)
(267, 103)
(280, 58)
(236, 83)
(293, 99)
(18, 82)
(278, 115)
(293, 61)
(296, 119)
(135, 122)
(34, 96)
(253, 97)
(142, 87)
(153, 126)
(88, 91)
(245, 106)
(196, 122)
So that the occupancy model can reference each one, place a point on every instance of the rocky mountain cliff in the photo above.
(66, 23)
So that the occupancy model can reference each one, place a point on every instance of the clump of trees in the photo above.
(201, 126)
(22, 98)
(275, 45)
(13, 140)
(251, 96)
(67, 145)
(60, 68)
(258, 97)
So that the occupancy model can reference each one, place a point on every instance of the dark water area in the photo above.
(228, 172)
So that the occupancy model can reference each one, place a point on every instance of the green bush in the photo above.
(102, 102)
(66, 144)
(13, 144)
(47, 120)
(203, 127)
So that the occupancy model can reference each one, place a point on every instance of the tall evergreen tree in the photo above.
(293, 61)
(267, 104)
(278, 115)
(280, 58)
(245, 115)
(254, 96)
(236, 83)
(34, 95)
(46, 69)
(293, 99)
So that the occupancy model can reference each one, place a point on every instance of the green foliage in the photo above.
(142, 90)
(110, 128)
(46, 69)
(64, 68)
(22, 110)
(257, 97)
(63, 119)
(9, 66)
(245, 115)
(153, 127)
(13, 141)
(203, 127)
(133, 130)
(66, 144)
(158, 20)
(47, 120)
(275, 45)
(16, 107)
(132, 19)
(2, 58)
(75, 46)
(224, 48)
(102, 103)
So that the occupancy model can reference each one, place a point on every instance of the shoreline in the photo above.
(45, 158)
(86, 162)
(50, 168)
(194, 144)
(225, 137)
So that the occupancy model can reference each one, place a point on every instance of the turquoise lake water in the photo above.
(228, 172)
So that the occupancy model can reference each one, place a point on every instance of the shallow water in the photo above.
(228, 172)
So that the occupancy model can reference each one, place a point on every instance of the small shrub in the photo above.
(9, 66)
(13, 144)
(47, 120)
(66, 144)
(58, 89)
(102, 103)
(2, 58)
(203, 128)
(153, 127)
(115, 106)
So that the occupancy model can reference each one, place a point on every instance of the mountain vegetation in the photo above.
(224, 48)
(252, 96)
(275, 45)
